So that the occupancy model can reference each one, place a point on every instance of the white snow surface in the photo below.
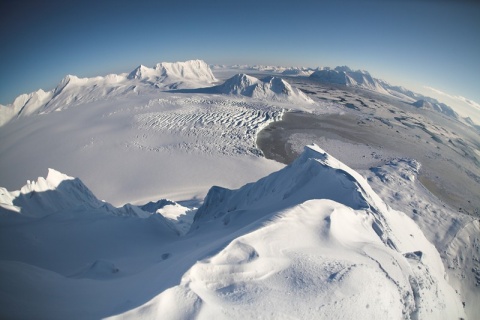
(311, 239)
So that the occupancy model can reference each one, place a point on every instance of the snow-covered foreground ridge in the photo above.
(309, 241)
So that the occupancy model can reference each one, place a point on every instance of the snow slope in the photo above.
(455, 235)
(242, 258)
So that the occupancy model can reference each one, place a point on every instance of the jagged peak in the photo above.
(138, 72)
(242, 78)
(69, 80)
(343, 69)
(277, 85)
(51, 182)
(55, 177)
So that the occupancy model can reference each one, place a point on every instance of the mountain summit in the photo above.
(188, 74)
(270, 88)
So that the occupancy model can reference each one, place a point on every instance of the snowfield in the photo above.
(184, 217)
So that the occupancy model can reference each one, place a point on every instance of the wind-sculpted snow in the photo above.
(210, 126)
(294, 253)
(311, 239)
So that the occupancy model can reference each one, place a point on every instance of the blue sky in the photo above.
(417, 44)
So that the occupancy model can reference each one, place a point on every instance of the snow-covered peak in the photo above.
(60, 193)
(271, 88)
(70, 80)
(197, 70)
(140, 72)
(175, 75)
(297, 72)
(343, 69)
(53, 180)
(238, 84)
(23, 99)
(432, 104)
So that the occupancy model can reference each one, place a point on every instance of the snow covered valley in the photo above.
(240, 236)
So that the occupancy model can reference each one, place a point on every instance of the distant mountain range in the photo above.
(343, 75)
(196, 74)
(193, 76)
(362, 79)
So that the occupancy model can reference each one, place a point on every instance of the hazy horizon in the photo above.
(419, 45)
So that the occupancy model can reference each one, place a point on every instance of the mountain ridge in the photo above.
(74, 90)
(244, 249)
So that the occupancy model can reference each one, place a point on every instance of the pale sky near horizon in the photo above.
(418, 44)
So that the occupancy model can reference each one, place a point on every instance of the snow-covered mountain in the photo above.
(295, 71)
(188, 74)
(257, 68)
(310, 239)
(347, 77)
(430, 104)
(362, 79)
(74, 91)
(269, 88)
